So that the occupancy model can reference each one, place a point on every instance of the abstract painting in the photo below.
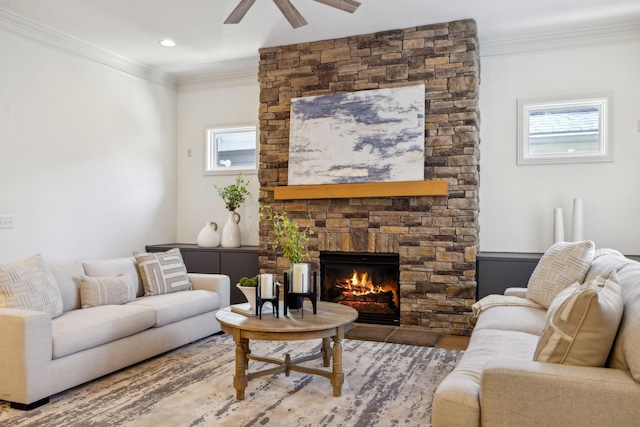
(366, 136)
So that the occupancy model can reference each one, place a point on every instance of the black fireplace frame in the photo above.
(347, 258)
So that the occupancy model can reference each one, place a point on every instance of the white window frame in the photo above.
(211, 162)
(605, 144)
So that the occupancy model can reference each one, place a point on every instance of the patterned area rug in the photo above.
(385, 385)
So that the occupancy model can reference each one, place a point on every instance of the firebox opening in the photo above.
(370, 283)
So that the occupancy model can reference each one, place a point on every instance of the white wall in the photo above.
(212, 104)
(87, 156)
(517, 202)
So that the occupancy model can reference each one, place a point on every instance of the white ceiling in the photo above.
(132, 28)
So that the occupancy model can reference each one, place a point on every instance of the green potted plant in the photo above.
(248, 287)
(290, 237)
(233, 195)
(293, 240)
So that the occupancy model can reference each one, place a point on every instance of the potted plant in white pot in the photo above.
(233, 196)
(248, 286)
(293, 240)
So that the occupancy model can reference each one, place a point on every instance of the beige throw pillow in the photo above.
(163, 272)
(561, 265)
(96, 291)
(582, 323)
(28, 284)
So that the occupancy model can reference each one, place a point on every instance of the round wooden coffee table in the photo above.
(330, 323)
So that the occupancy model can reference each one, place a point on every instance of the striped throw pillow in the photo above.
(96, 291)
(582, 323)
(29, 284)
(162, 272)
(562, 264)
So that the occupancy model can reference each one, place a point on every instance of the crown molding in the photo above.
(561, 40)
(23, 27)
(215, 81)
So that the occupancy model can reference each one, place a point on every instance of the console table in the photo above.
(234, 262)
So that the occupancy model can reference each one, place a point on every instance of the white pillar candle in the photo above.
(266, 286)
(558, 226)
(300, 278)
(576, 225)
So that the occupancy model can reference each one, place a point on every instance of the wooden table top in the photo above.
(329, 315)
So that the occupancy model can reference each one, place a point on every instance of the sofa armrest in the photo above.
(25, 355)
(219, 283)
(516, 292)
(528, 393)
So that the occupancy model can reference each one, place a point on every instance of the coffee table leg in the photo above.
(326, 352)
(240, 378)
(337, 377)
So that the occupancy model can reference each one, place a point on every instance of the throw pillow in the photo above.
(163, 272)
(115, 267)
(28, 284)
(96, 291)
(582, 324)
(561, 265)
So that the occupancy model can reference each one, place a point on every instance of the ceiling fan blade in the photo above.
(239, 12)
(291, 13)
(346, 5)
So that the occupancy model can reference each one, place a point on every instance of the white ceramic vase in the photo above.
(208, 237)
(231, 237)
(249, 294)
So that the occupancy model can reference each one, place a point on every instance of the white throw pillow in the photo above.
(163, 272)
(96, 291)
(582, 323)
(115, 267)
(561, 265)
(28, 284)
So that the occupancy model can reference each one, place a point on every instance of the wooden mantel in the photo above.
(374, 189)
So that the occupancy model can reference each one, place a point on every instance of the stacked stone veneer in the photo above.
(436, 237)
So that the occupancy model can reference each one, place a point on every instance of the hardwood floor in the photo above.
(451, 342)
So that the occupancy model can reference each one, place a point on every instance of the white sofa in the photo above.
(41, 356)
(497, 382)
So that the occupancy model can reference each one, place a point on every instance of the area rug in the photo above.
(385, 385)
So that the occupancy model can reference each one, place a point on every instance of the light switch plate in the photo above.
(6, 221)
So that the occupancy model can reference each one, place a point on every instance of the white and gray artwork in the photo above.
(366, 136)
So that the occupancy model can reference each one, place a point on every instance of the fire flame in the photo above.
(359, 285)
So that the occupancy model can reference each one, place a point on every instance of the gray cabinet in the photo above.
(234, 262)
(497, 271)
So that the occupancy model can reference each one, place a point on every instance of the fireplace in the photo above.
(370, 283)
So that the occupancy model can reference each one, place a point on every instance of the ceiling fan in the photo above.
(289, 11)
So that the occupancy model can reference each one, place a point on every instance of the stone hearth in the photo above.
(435, 237)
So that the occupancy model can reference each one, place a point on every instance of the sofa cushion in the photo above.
(456, 400)
(78, 330)
(625, 354)
(28, 284)
(115, 267)
(68, 278)
(561, 265)
(95, 291)
(521, 319)
(582, 323)
(162, 272)
(177, 306)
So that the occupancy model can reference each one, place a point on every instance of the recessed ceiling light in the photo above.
(167, 43)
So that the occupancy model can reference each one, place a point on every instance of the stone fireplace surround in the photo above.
(436, 237)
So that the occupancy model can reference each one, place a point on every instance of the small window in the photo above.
(230, 150)
(564, 130)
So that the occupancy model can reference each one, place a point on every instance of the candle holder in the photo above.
(264, 297)
(290, 296)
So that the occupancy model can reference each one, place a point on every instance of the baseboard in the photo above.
(30, 406)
